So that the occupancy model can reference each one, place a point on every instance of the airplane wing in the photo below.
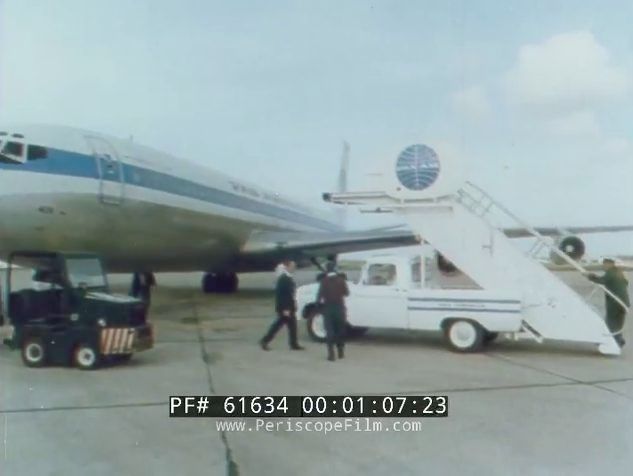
(562, 231)
(266, 248)
(271, 246)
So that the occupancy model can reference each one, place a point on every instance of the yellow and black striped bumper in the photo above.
(125, 340)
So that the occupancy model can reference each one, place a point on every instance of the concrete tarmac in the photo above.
(516, 408)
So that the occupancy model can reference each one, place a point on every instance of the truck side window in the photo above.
(381, 275)
(416, 272)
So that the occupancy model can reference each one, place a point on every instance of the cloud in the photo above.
(566, 73)
(582, 129)
(576, 124)
(617, 148)
(472, 103)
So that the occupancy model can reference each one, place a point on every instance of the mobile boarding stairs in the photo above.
(460, 227)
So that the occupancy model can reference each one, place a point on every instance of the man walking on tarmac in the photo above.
(285, 306)
(613, 279)
(142, 286)
(332, 292)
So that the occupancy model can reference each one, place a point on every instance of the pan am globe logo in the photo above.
(417, 167)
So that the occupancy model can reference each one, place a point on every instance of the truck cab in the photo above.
(379, 297)
(67, 314)
(402, 292)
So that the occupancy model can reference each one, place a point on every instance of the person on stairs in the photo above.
(614, 280)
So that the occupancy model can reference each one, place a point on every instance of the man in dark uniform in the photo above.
(285, 306)
(614, 280)
(142, 286)
(1, 307)
(332, 292)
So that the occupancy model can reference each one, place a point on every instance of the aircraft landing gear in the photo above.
(220, 283)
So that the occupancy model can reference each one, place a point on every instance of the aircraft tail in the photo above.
(341, 186)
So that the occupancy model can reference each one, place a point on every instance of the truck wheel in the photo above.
(86, 357)
(316, 327)
(465, 336)
(33, 352)
(309, 310)
(355, 331)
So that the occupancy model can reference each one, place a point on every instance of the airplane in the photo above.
(66, 189)
(69, 189)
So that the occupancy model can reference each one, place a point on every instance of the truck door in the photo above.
(109, 169)
(381, 298)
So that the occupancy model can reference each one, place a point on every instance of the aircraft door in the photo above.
(110, 170)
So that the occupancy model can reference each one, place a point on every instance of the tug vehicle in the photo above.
(68, 316)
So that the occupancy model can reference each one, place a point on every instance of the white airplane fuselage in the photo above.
(139, 208)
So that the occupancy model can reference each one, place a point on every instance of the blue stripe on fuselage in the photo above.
(72, 164)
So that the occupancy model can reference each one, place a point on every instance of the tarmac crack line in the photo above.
(504, 387)
(590, 383)
(79, 407)
(232, 469)
(489, 389)
(607, 389)
(6, 437)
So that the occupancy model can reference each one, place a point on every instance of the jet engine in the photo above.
(572, 246)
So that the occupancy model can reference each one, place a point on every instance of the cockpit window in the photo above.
(13, 148)
(36, 152)
(12, 153)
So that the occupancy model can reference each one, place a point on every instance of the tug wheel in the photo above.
(33, 352)
(86, 357)
(464, 335)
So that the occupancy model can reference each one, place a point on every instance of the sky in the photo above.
(535, 97)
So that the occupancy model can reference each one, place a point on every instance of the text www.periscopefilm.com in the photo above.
(338, 425)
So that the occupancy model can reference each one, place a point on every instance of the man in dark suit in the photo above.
(285, 306)
(142, 286)
(332, 292)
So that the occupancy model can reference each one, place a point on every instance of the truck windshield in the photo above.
(85, 272)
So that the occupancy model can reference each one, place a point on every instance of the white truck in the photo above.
(396, 291)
